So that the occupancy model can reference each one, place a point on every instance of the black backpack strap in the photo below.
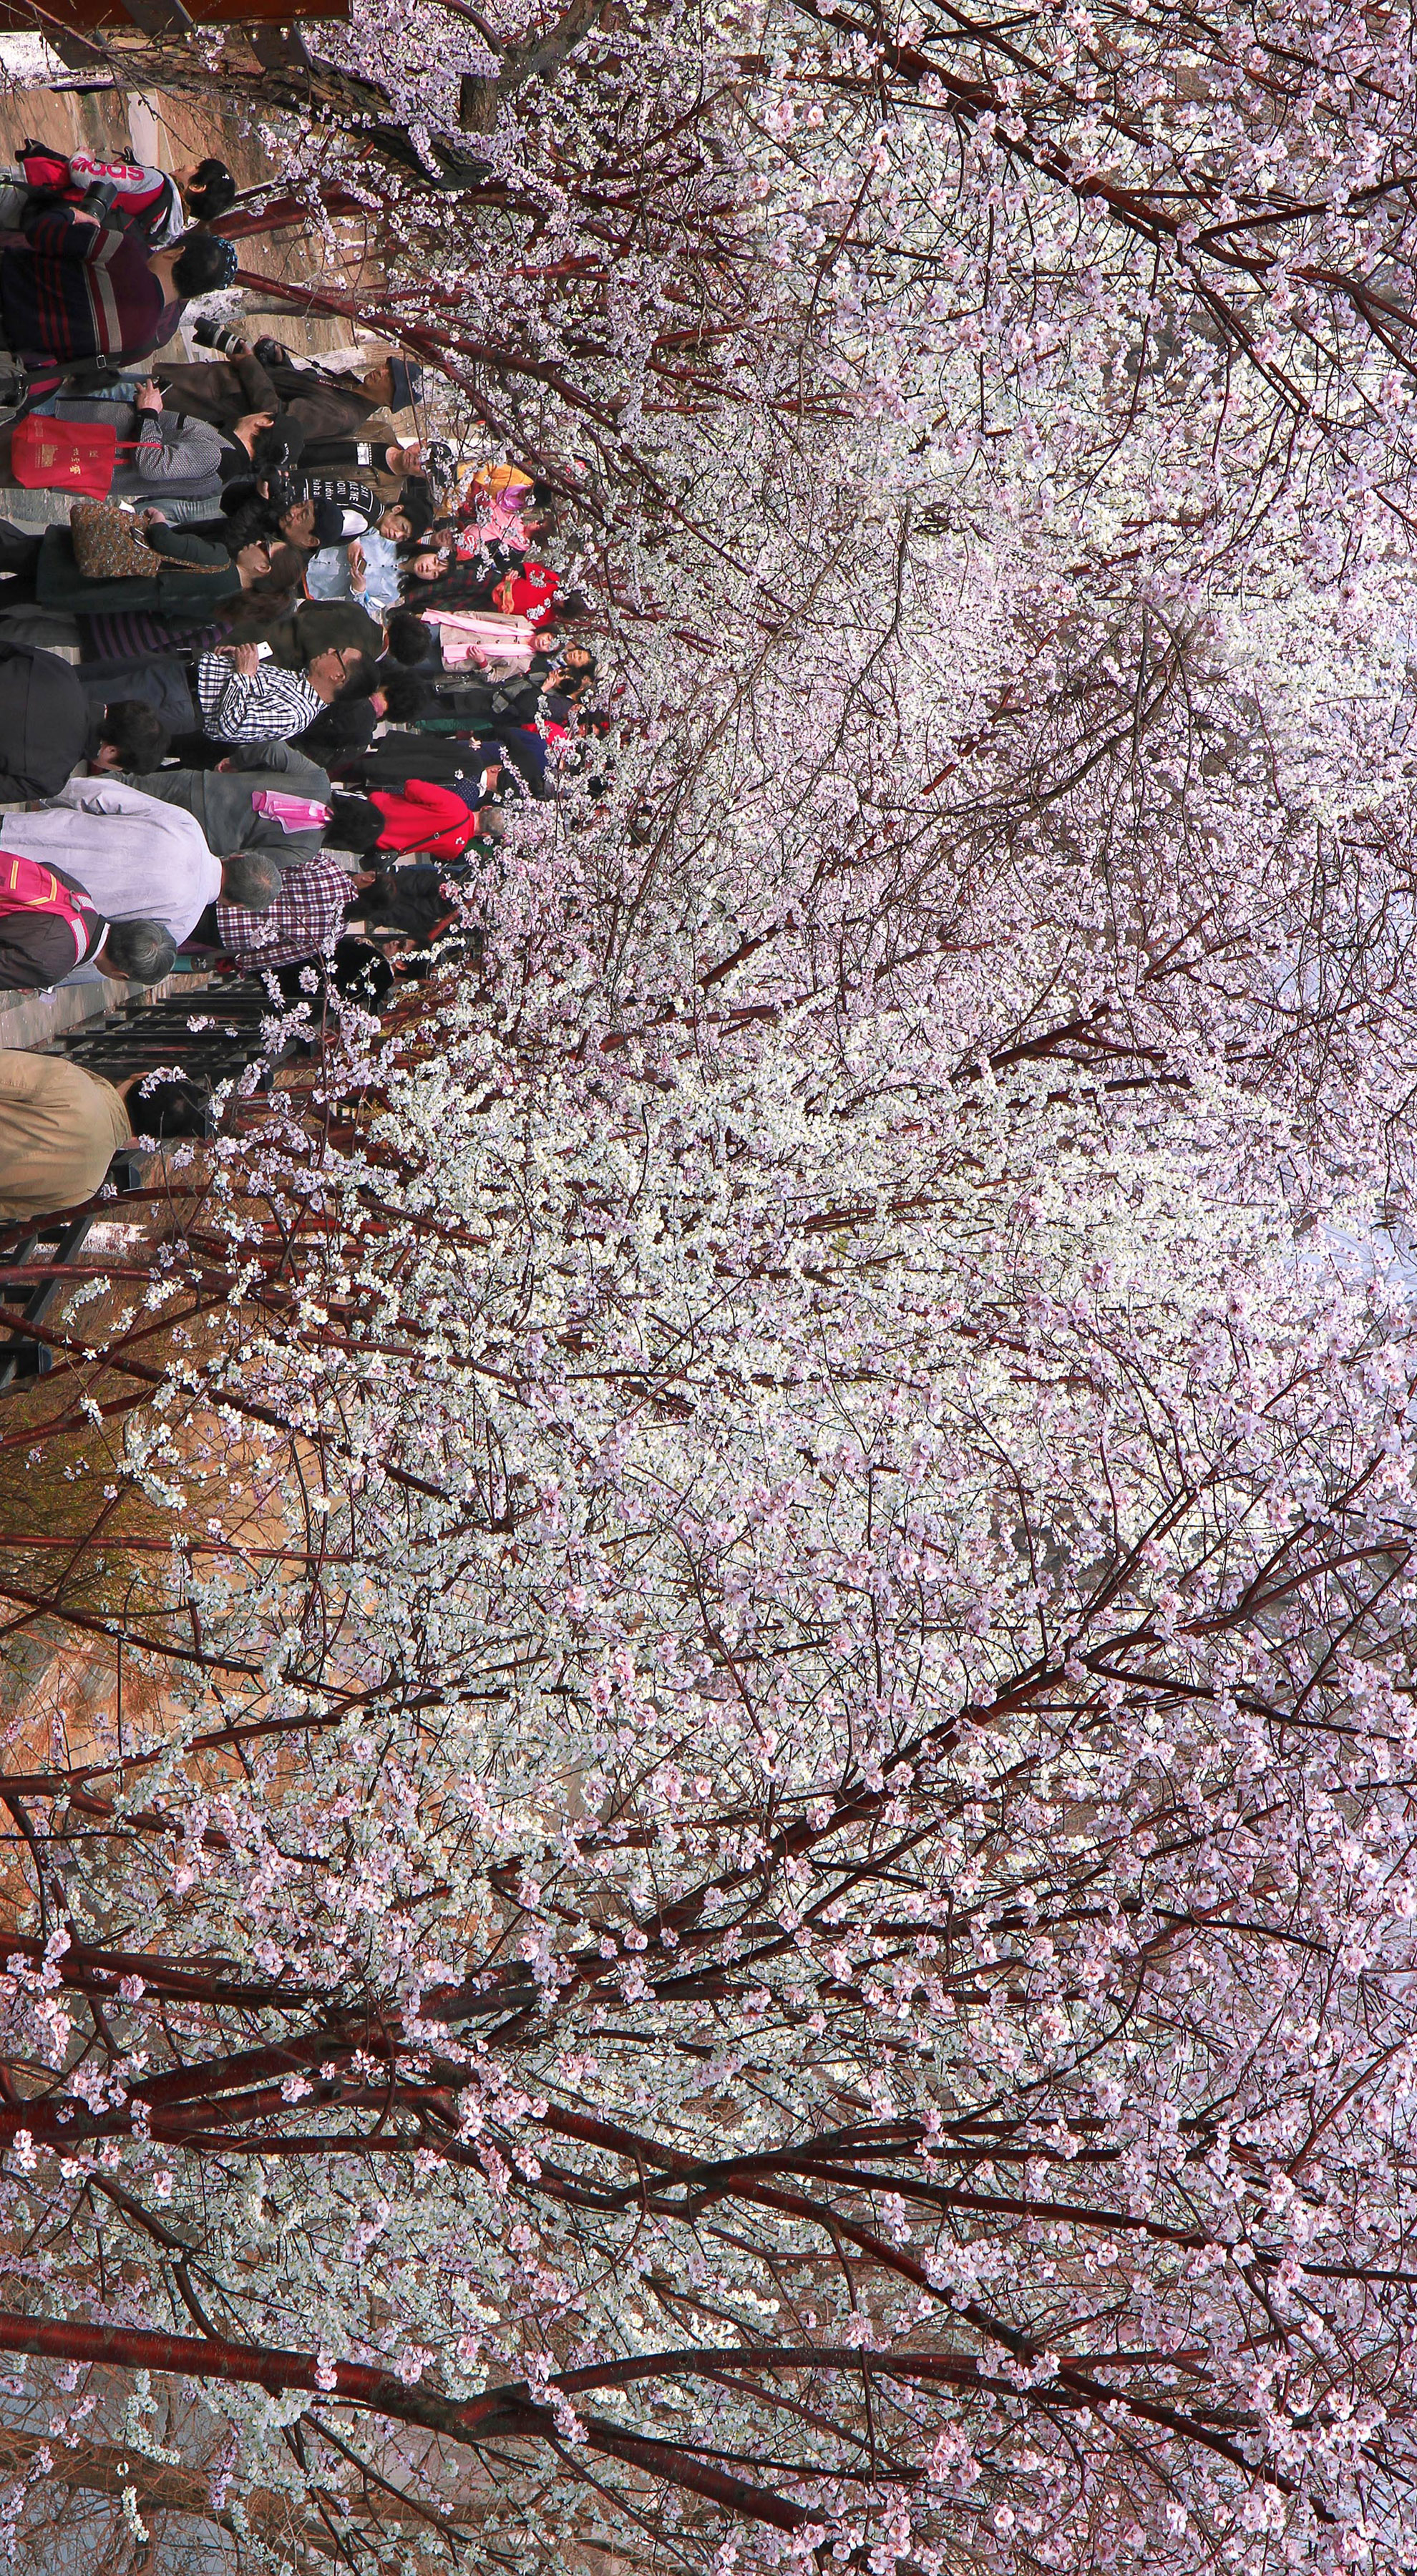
(79, 375)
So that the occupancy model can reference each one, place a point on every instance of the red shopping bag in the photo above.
(63, 456)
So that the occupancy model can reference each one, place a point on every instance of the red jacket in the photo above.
(147, 198)
(425, 817)
(534, 588)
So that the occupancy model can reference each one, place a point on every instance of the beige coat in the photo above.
(59, 1128)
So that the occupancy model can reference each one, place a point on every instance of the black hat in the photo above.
(416, 510)
(329, 523)
(407, 383)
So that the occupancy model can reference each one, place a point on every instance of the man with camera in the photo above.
(225, 392)
(332, 423)
(159, 203)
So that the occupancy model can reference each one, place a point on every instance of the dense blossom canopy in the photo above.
(749, 1895)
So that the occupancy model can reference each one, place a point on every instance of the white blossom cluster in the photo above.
(762, 1905)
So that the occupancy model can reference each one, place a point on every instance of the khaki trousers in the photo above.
(59, 1129)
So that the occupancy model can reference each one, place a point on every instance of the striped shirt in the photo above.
(304, 921)
(79, 291)
(135, 635)
(270, 706)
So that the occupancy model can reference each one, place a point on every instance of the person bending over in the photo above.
(59, 1130)
(245, 699)
(263, 796)
(136, 857)
(158, 204)
(48, 926)
(76, 288)
(305, 920)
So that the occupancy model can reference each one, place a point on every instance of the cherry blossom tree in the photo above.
(741, 1887)
(759, 1902)
(1139, 249)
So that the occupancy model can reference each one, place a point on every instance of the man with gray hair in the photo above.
(137, 858)
(49, 928)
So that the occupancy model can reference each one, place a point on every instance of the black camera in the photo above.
(215, 335)
(99, 200)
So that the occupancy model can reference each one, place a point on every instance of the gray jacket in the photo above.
(173, 458)
(221, 800)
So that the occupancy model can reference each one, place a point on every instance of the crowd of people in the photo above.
(266, 694)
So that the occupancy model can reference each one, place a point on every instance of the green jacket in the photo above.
(60, 584)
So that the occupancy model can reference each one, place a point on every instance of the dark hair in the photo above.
(141, 950)
(458, 591)
(329, 527)
(205, 262)
(409, 640)
(572, 605)
(266, 600)
(363, 971)
(213, 189)
(271, 451)
(251, 523)
(139, 737)
(415, 585)
(419, 516)
(406, 697)
(356, 683)
(355, 824)
(346, 725)
(250, 878)
(410, 900)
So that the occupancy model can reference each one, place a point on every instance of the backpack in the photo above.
(26, 885)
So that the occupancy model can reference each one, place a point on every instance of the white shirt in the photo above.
(135, 857)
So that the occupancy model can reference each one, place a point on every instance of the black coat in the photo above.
(485, 705)
(44, 722)
(412, 899)
(401, 756)
(325, 406)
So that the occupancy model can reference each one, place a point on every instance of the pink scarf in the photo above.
(293, 813)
